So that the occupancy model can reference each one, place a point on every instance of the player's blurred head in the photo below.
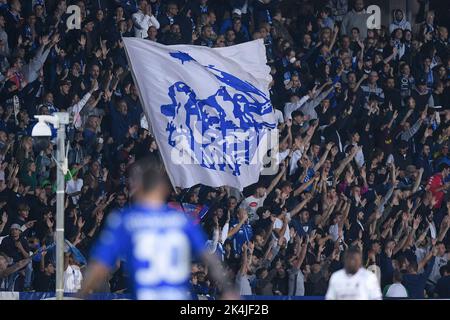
(148, 177)
(352, 260)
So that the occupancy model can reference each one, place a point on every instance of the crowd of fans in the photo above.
(364, 152)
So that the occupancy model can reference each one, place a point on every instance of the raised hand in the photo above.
(416, 222)
(80, 223)
(4, 218)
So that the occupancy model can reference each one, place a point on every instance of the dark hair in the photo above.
(147, 174)
(352, 251)
(397, 276)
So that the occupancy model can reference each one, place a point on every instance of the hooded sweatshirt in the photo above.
(354, 19)
(399, 24)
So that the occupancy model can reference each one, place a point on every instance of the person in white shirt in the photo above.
(72, 275)
(143, 20)
(359, 158)
(396, 289)
(353, 282)
(74, 186)
(256, 200)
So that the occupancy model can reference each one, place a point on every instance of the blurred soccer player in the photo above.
(353, 282)
(157, 243)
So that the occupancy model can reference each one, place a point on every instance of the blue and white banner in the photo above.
(209, 110)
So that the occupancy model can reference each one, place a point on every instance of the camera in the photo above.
(41, 136)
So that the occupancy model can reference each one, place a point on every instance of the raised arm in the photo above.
(324, 156)
(277, 179)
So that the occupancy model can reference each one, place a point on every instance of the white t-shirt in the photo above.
(72, 279)
(278, 224)
(243, 282)
(363, 285)
(278, 116)
(252, 204)
(435, 273)
(396, 290)
(74, 186)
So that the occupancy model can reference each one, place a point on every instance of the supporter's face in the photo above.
(261, 192)
(373, 77)
(406, 70)
(90, 26)
(441, 249)
(352, 263)
(230, 36)
(426, 150)
(391, 83)
(16, 5)
(95, 72)
(356, 137)
(237, 24)
(241, 214)
(2, 21)
(208, 32)
(15, 234)
(355, 34)
(359, 5)
(95, 167)
(307, 40)
(259, 240)
(220, 41)
(50, 268)
(263, 32)
(175, 29)
(399, 16)
(296, 82)
(123, 108)
(305, 216)
(65, 89)
(121, 201)
(352, 78)
(152, 32)
(143, 5)
(403, 150)
(39, 11)
(376, 247)
(212, 18)
(24, 214)
(346, 42)
(360, 215)
(232, 203)
(173, 10)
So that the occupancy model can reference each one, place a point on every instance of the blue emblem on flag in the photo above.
(222, 131)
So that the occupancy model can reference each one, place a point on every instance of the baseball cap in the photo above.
(237, 12)
(15, 226)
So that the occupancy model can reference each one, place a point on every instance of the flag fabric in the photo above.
(208, 109)
(195, 211)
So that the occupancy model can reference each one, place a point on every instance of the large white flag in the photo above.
(209, 109)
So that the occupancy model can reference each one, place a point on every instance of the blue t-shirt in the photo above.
(158, 245)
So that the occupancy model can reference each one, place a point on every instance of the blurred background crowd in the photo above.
(364, 126)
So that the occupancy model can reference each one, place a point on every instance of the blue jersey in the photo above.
(158, 245)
